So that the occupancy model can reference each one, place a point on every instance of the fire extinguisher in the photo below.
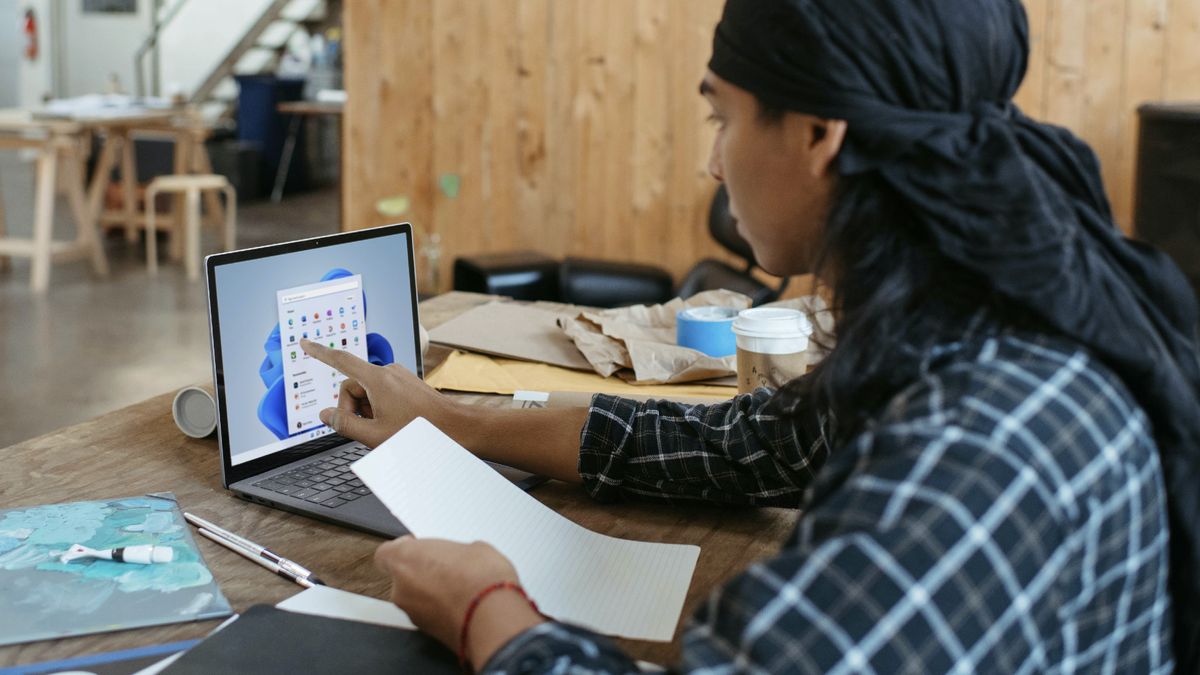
(29, 29)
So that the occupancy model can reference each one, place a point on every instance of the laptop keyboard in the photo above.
(327, 480)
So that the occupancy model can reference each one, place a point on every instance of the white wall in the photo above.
(36, 79)
(80, 51)
(200, 37)
(96, 45)
(12, 45)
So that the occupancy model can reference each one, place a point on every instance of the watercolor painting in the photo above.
(43, 598)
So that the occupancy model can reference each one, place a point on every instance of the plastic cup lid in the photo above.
(195, 412)
(772, 322)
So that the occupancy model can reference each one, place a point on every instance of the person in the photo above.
(995, 464)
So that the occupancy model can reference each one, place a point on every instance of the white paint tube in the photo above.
(143, 555)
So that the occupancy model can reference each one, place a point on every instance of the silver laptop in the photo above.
(261, 303)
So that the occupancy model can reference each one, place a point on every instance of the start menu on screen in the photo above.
(329, 313)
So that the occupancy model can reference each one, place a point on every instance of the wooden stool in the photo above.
(59, 162)
(191, 186)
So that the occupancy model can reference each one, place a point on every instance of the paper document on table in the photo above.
(512, 330)
(616, 586)
(463, 371)
(338, 604)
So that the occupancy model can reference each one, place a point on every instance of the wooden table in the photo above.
(138, 450)
(63, 146)
(60, 155)
(299, 110)
(187, 132)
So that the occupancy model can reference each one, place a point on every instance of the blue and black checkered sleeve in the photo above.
(891, 574)
(1006, 514)
(562, 649)
(736, 452)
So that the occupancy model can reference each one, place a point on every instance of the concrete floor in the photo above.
(89, 345)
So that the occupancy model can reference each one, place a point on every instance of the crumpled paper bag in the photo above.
(638, 343)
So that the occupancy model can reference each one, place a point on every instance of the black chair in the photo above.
(600, 283)
(603, 283)
(521, 275)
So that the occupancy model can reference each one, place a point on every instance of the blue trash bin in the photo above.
(259, 122)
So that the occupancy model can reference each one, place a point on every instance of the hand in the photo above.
(376, 401)
(435, 580)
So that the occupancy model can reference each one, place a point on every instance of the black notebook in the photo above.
(268, 640)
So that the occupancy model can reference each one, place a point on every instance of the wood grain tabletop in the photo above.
(138, 450)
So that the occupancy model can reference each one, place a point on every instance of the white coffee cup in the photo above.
(772, 346)
(195, 412)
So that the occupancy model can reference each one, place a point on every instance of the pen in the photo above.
(261, 551)
(250, 555)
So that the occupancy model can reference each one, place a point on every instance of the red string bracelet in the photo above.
(470, 613)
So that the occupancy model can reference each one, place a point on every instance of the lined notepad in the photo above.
(438, 489)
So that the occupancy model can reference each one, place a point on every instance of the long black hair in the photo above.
(926, 88)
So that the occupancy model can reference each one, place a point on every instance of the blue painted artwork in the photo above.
(42, 598)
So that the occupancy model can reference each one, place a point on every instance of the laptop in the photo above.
(261, 303)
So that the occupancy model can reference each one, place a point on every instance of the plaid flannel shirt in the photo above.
(1004, 513)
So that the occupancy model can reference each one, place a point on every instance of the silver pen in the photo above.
(251, 556)
(263, 552)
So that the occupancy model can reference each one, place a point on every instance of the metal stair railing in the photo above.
(248, 41)
(150, 44)
(223, 69)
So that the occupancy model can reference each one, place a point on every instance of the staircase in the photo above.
(203, 44)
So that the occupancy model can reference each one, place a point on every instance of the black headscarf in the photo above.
(926, 87)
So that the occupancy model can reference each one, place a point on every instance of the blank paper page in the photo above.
(338, 604)
(438, 489)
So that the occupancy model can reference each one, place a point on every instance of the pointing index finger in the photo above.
(342, 361)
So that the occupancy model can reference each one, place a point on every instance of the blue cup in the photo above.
(707, 329)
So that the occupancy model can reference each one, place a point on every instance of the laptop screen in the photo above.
(352, 292)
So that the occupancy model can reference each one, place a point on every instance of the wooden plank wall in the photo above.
(1093, 62)
(574, 127)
